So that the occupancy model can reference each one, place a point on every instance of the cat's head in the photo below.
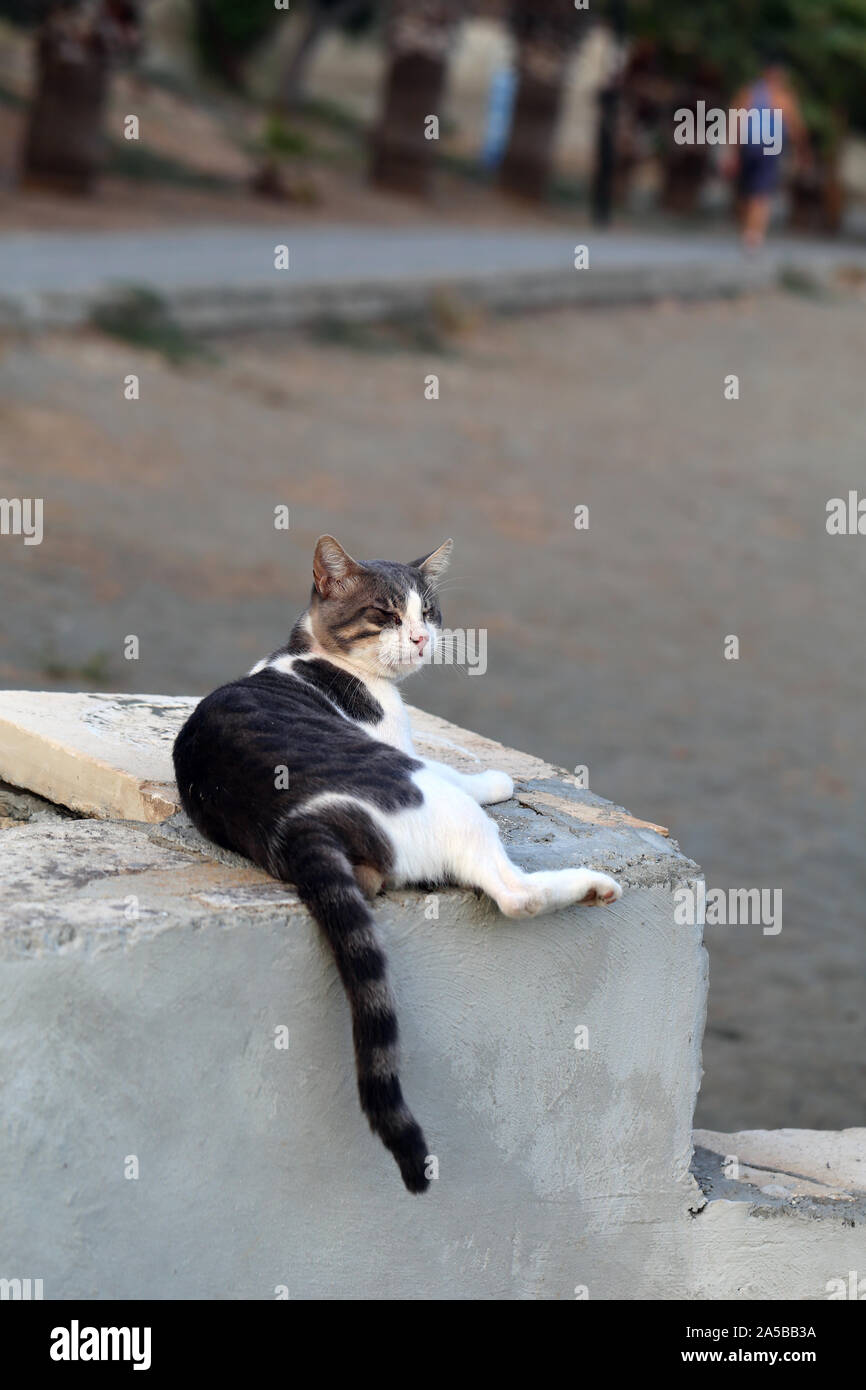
(381, 616)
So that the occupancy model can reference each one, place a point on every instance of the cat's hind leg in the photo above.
(449, 838)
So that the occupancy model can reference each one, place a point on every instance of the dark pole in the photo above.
(608, 100)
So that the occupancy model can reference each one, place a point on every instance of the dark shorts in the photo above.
(759, 174)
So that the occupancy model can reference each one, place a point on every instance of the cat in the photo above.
(307, 766)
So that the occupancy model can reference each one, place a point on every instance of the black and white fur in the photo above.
(361, 808)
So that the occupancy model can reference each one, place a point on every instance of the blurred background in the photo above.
(255, 124)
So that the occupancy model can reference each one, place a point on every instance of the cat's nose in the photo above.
(420, 640)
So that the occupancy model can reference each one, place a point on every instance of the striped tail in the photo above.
(326, 884)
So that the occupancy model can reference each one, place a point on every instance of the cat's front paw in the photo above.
(494, 786)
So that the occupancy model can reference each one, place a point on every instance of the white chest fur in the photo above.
(394, 728)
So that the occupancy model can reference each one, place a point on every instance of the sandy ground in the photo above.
(605, 646)
(330, 195)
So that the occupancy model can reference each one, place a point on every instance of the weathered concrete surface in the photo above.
(17, 806)
(817, 1162)
(770, 1232)
(109, 756)
(142, 978)
(752, 1253)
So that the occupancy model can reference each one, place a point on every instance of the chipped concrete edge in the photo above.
(37, 763)
(772, 1200)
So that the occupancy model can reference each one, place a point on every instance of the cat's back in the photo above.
(264, 712)
(265, 745)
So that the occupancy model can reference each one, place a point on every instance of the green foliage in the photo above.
(823, 43)
(227, 32)
(799, 281)
(244, 25)
(282, 139)
(94, 670)
(427, 330)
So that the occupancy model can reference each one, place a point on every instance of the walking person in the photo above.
(757, 168)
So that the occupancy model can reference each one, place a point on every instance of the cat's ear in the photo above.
(436, 563)
(334, 570)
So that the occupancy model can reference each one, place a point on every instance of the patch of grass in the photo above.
(797, 281)
(415, 330)
(333, 331)
(282, 139)
(95, 670)
(450, 313)
(138, 315)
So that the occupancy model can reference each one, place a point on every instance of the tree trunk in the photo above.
(65, 145)
(546, 34)
(419, 41)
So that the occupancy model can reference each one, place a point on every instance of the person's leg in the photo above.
(756, 219)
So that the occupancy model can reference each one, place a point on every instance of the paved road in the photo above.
(236, 257)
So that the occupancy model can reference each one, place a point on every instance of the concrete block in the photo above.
(158, 1144)
(784, 1215)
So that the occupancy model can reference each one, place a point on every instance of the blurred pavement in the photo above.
(236, 258)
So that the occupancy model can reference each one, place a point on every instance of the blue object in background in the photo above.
(500, 105)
